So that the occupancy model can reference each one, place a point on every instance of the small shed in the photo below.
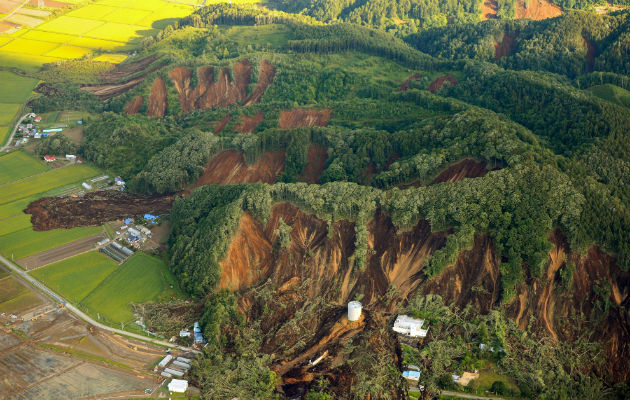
(86, 185)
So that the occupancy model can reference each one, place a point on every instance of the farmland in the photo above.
(18, 165)
(75, 277)
(142, 278)
(14, 296)
(24, 179)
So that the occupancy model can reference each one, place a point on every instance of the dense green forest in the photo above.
(542, 107)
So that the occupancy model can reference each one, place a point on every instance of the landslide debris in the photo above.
(439, 82)
(229, 167)
(157, 99)
(94, 208)
(300, 117)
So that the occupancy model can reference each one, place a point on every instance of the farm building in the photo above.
(184, 333)
(165, 361)
(86, 185)
(178, 386)
(49, 158)
(151, 218)
(70, 157)
(411, 375)
(408, 326)
(199, 339)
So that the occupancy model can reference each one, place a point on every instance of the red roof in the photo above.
(38, 119)
(50, 158)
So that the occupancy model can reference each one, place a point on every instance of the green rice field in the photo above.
(14, 296)
(142, 278)
(75, 277)
(16, 89)
(26, 242)
(18, 165)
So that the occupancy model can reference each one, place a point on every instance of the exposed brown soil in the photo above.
(226, 90)
(405, 85)
(248, 124)
(122, 72)
(220, 126)
(94, 208)
(229, 166)
(536, 9)
(439, 82)
(119, 80)
(300, 117)
(157, 99)
(504, 48)
(489, 9)
(317, 156)
(467, 168)
(60, 253)
(265, 78)
(134, 105)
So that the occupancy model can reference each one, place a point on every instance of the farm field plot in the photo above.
(68, 52)
(44, 182)
(92, 11)
(18, 165)
(27, 242)
(14, 224)
(75, 277)
(70, 25)
(121, 32)
(14, 296)
(26, 62)
(47, 36)
(4, 134)
(15, 207)
(142, 278)
(27, 46)
(7, 113)
(15, 88)
(111, 58)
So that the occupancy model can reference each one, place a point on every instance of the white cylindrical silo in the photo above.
(354, 311)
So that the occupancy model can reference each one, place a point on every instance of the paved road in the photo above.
(15, 128)
(82, 315)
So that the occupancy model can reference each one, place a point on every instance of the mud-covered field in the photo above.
(93, 209)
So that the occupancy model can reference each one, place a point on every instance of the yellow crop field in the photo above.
(91, 43)
(128, 16)
(119, 32)
(26, 62)
(92, 11)
(26, 46)
(69, 52)
(111, 58)
(47, 36)
(70, 25)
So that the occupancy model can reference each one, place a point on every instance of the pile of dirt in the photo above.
(317, 156)
(439, 82)
(157, 99)
(536, 9)
(300, 117)
(220, 126)
(134, 105)
(504, 48)
(248, 124)
(94, 208)
(229, 166)
(223, 92)
(105, 92)
(405, 85)
(467, 168)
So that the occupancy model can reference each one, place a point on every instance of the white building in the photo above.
(178, 386)
(406, 325)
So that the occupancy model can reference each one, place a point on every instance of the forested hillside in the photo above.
(404, 154)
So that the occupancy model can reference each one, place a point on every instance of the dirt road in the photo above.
(8, 143)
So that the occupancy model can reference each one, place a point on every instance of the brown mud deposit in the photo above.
(504, 48)
(317, 156)
(315, 277)
(229, 166)
(157, 99)
(439, 82)
(248, 124)
(300, 117)
(134, 105)
(220, 126)
(225, 91)
(94, 208)
(121, 78)
(467, 168)
(536, 9)
(405, 85)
